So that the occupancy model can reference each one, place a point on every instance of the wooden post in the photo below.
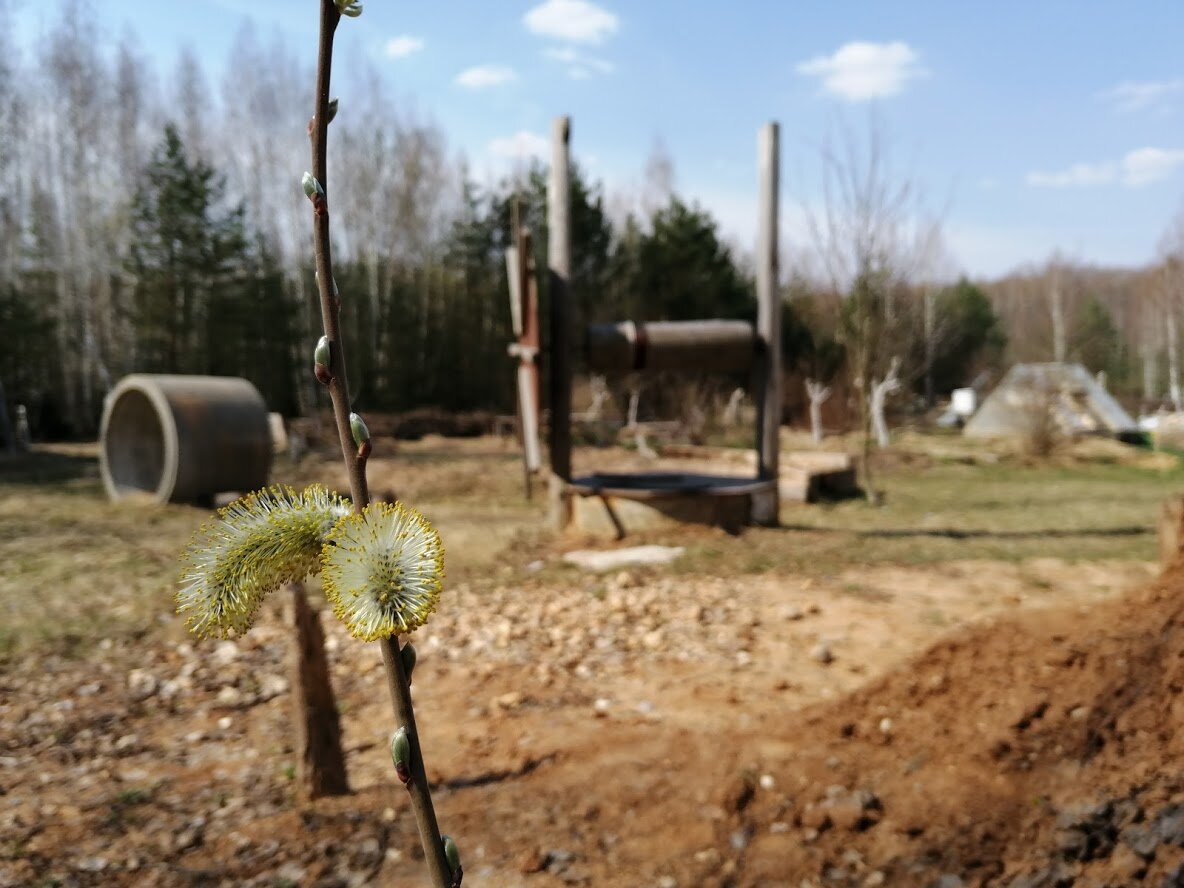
(558, 282)
(768, 447)
(316, 727)
(520, 271)
(529, 374)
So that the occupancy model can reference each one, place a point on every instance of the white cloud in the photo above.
(481, 76)
(566, 54)
(1143, 166)
(1133, 95)
(523, 144)
(858, 71)
(1077, 176)
(580, 65)
(1147, 165)
(577, 21)
(403, 45)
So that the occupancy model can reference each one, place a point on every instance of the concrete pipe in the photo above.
(719, 346)
(183, 438)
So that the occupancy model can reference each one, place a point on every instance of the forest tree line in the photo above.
(154, 224)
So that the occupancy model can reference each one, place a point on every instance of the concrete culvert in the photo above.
(183, 438)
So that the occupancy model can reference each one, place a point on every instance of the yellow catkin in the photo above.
(255, 545)
(383, 570)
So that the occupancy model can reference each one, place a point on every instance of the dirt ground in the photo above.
(963, 721)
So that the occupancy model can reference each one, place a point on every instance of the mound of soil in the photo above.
(636, 731)
(1041, 752)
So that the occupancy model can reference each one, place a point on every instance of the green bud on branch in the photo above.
(452, 855)
(401, 755)
(322, 361)
(352, 8)
(408, 655)
(357, 427)
(314, 192)
(332, 110)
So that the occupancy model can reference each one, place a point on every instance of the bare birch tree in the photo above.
(866, 237)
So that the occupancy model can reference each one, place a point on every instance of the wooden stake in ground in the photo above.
(558, 291)
(320, 763)
(768, 296)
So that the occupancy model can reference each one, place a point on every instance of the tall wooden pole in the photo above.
(558, 281)
(768, 327)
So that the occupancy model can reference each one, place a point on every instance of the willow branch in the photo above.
(338, 385)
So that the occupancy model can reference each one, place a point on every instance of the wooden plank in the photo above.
(515, 278)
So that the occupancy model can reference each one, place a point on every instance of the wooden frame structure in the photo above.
(725, 345)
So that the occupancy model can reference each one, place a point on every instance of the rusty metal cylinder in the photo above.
(718, 346)
(183, 438)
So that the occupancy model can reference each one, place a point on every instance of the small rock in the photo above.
(874, 879)
(273, 686)
(225, 653)
(821, 653)
(511, 700)
(602, 706)
(229, 696)
(1169, 824)
(127, 741)
(92, 864)
(767, 781)
(225, 722)
(291, 872)
(141, 684)
(708, 857)
(667, 882)
(388, 815)
(532, 861)
(1142, 840)
(739, 839)
(885, 725)
(186, 839)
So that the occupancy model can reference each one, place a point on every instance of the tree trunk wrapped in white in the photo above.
(881, 389)
(818, 394)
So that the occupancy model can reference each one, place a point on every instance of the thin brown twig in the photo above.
(400, 691)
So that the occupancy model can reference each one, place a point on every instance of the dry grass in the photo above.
(77, 569)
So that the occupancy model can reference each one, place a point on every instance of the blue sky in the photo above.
(1029, 126)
